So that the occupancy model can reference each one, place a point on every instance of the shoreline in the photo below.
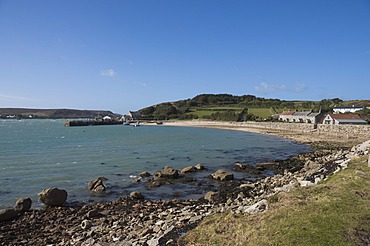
(302, 137)
(138, 222)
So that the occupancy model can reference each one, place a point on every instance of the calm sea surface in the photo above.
(38, 154)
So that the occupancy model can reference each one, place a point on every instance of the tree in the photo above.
(147, 112)
(165, 111)
(224, 116)
(337, 101)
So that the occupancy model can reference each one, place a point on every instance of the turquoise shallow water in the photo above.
(38, 154)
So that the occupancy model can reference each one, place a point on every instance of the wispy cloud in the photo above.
(108, 73)
(299, 87)
(266, 88)
(15, 98)
(131, 62)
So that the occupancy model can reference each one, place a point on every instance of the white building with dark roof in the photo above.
(336, 119)
(302, 117)
(347, 109)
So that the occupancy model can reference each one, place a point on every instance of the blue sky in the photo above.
(126, 55)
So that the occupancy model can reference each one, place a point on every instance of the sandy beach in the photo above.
(302, 137)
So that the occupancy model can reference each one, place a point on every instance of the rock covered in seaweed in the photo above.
(23, 204)
(167, 173)
(53, 196)
(188, 169)
(222, 175)
(8, 214)
(97, 184)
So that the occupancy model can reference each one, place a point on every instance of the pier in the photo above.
(92, 122)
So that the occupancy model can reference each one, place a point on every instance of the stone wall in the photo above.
(333, 130)
(348, 130)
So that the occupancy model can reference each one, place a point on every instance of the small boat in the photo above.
(137, 124)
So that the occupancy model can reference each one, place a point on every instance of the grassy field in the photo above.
(260, 112)
(334, 212)
(201, 112)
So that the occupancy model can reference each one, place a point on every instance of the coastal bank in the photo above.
(133, 221)
(302, 132)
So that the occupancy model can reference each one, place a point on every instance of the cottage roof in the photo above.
(287, 113)
(347, 118)
(303, 113)
(314, 114)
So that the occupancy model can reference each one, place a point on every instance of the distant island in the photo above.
(27, 113)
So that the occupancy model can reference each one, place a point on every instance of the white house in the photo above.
(302, 117)
(132, 115)
(347, 109)
(336, 119)
(107, 118)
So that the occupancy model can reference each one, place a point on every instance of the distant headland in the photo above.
(27, 113)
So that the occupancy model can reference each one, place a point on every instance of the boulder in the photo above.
(211, 196)
(199, 167)
(247, 186)
(241, 167)
(97, 184)
(167, 173)
(136, 195)
(255, 208)
(94, 213)
(189, 169)
(154, 184)
(285, 188)
(144, 174)
(266, 165)
(310, 165)
(8, 214)
(23, 204)
(362, 148)
(222, 175)
(53, 196)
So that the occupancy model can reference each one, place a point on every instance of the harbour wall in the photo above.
(347, 131)
(333, 130)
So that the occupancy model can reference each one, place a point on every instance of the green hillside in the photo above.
(237, 108)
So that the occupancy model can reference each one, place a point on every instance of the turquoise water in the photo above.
(38, 154)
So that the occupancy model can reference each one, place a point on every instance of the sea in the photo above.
(40, 154)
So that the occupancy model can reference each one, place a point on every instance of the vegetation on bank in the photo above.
(228, 107)
(334, 212)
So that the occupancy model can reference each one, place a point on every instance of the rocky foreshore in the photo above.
(135, 221)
